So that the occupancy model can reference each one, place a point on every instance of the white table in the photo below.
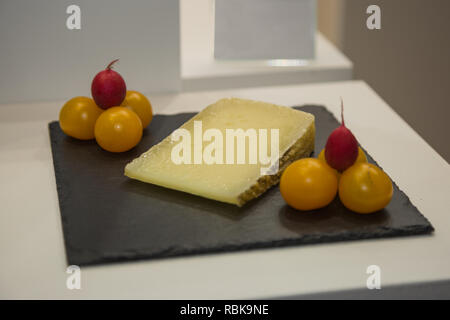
(200, 71)
(32, 255)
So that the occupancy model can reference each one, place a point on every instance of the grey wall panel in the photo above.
(265, 29)
(41, 59)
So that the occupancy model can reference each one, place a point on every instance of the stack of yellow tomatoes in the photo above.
(115, 129)
(341, 167)
(310, 183)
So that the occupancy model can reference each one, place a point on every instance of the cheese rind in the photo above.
(231, 183)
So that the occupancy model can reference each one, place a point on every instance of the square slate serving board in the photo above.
(108, 217)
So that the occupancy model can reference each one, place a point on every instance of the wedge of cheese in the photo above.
(213, 169)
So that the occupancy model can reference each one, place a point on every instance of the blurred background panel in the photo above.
(407, 61)
(265, 29)
(41, 59)
(201, 71)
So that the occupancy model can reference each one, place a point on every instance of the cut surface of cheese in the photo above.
(227, 179)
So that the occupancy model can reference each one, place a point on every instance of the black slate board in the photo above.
(107, 217)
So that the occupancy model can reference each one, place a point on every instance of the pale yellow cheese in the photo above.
(232, 183)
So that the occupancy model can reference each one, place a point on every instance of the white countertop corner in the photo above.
(32, 251)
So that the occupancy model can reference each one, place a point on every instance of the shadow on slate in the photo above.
(107, 217)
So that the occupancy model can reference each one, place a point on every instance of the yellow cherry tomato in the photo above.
(139, 103)
(78, 116)
(360, 159)
(361, 156)
(321, 157)
(118, 129)
(308, 184)
(365, 188)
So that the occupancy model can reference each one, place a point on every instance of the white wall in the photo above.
(40, 59)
